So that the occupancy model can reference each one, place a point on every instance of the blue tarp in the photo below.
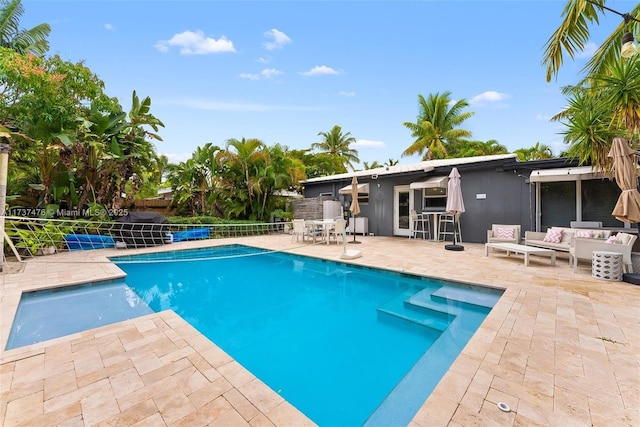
(83, 242)
(194, 234)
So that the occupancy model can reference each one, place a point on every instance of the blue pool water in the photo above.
(47, 314)
(346, 345)
(334, 340)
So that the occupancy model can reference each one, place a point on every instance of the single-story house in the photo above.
(497, 189)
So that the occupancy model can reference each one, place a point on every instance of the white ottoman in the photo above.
(606, 266)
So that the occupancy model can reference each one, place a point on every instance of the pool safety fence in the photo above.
(28, 237)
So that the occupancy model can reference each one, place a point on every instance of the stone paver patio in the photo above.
(560, 348)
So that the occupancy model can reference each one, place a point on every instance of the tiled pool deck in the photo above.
(560, 348)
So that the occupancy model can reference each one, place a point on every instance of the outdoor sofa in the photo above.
(544, 240)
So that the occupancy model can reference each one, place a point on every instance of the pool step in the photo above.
(434, 319)
(469, 296)
(424, 300)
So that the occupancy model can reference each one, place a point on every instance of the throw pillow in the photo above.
(623, 238)
(505, 233)
(584, 233)
(553, 236)
(611, 239)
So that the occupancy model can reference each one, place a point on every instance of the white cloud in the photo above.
(489, 96)
(542, 117)
(177, 158)
(108, 27)
(195, 43)
(270, 72)
(263, 60)
(367, 143)
(588, 51)
(249, 76)
(279, 39)
(267, 73)
(319, 70)
(345, 93)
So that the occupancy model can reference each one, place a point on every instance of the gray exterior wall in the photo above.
(509, 198)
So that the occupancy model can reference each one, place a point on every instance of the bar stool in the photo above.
(423, 223)
(444, 229)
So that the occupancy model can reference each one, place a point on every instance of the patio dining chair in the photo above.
(299, 229)
(340, 229)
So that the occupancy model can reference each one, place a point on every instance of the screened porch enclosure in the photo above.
(580, 200)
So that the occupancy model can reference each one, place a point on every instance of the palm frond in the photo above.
(571, 36)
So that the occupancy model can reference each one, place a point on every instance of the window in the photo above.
(434, 198)
(599, 196)
(558, 204)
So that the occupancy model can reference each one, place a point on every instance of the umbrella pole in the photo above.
(455, 246)
(353, 218)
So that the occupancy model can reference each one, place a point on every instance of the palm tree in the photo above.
(537, 152)
(336, 144)
(476, 148)
(541, 151)
(242, 162)
(588, 133)
(375, 164)
(134, 153)
(33, 41)
(573, 33)
(619, 90)
(194, 181)
(436, 126)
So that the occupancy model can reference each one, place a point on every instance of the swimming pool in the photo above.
(346, 345)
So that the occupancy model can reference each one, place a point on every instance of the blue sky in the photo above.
(282, 71)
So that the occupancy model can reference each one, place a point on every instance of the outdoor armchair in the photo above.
(583, 248)
(504, 233)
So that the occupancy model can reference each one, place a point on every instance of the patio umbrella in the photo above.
(627, 208)
(355, 206)
(455, 205)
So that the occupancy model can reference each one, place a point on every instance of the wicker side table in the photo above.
(606, 266)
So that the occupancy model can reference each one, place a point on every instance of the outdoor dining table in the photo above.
(326, 225)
